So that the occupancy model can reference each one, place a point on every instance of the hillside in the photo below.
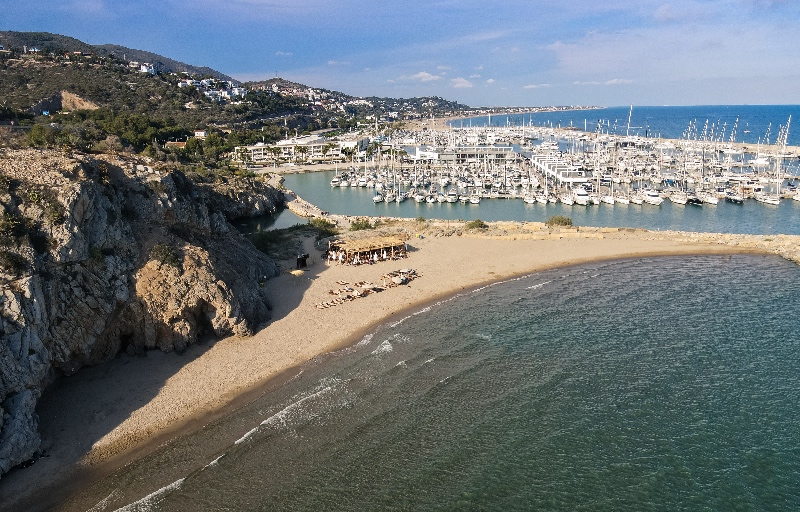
(55, 43)
(101, 255)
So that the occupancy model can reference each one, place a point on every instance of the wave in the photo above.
(383, 348)
(282, 415)
(537, 286)
(147, 503)
(102, 504)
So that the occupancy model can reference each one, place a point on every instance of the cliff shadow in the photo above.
(143, 209)
(286, 291)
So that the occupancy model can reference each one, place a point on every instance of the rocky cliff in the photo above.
(101, 254)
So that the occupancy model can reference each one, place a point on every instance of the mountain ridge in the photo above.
(55, 43)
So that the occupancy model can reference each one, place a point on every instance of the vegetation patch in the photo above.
(12, 263)
(166, 254)
(558, 220)
(284, 244)
(360, 224)
(476, 224)
(13, 229)
(323, 227)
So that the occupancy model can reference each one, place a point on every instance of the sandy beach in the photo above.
(105, 416)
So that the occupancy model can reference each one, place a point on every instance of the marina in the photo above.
(599, 179)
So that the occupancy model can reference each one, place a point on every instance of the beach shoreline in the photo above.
(162, 397)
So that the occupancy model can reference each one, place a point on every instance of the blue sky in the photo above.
(502, 52)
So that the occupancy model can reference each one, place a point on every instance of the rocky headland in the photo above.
(102, 254)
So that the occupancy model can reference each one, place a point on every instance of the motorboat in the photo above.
(580, 196)
(652, 197)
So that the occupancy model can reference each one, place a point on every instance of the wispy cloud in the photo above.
(422, 76)
(490, 81)
(338, 63)
(614, 81)
(536, 86)
(460, 83)
(283, 54)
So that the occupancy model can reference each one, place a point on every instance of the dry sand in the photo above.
(106, 415)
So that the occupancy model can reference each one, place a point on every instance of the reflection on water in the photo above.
(282, 219)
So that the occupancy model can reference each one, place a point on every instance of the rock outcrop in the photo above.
(98, 255)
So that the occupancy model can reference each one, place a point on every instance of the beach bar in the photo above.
(367, 250)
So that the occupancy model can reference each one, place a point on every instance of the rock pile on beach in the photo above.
(104, 254)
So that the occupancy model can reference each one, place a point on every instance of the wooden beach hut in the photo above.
(366, 250)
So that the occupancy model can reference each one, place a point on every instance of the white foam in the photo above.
(102, 504)
(281, 415)
(537, 286)
(214, 462)
(402, 364)
(383, 348)
(151, 500)
(430, 360)
(366, 340)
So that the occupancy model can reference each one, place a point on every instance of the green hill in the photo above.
(55, 43)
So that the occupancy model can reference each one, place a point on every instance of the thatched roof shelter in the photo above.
(386, 247)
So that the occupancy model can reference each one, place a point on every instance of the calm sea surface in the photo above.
(647, 384)
(756, 123)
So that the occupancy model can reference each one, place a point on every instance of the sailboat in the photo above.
(762, 196)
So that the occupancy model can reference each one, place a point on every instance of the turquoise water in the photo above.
(749, 218)
(647, 384)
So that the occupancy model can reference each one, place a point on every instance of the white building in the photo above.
(311, 149)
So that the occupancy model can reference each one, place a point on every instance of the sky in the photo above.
(480, 53)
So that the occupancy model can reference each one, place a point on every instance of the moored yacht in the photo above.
(652, 197)
(581, 196)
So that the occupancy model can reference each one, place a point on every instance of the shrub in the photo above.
(12, 229)
(12, 263)
(420, 219)
(324, 227)
(476, 224)
(360, 223)
(55, 212)
(166, 254)
(558, 220)
(96, 253)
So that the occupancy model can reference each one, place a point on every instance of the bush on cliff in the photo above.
(166, 254)
(12, 263)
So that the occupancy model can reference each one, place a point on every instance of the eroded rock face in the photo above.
(79, 282)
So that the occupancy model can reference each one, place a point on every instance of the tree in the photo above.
(349, 152)
(327, 148)
(301, 150)
(194, 148)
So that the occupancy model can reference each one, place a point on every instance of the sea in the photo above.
(652, 384)
(644, 384)
(751, 124)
